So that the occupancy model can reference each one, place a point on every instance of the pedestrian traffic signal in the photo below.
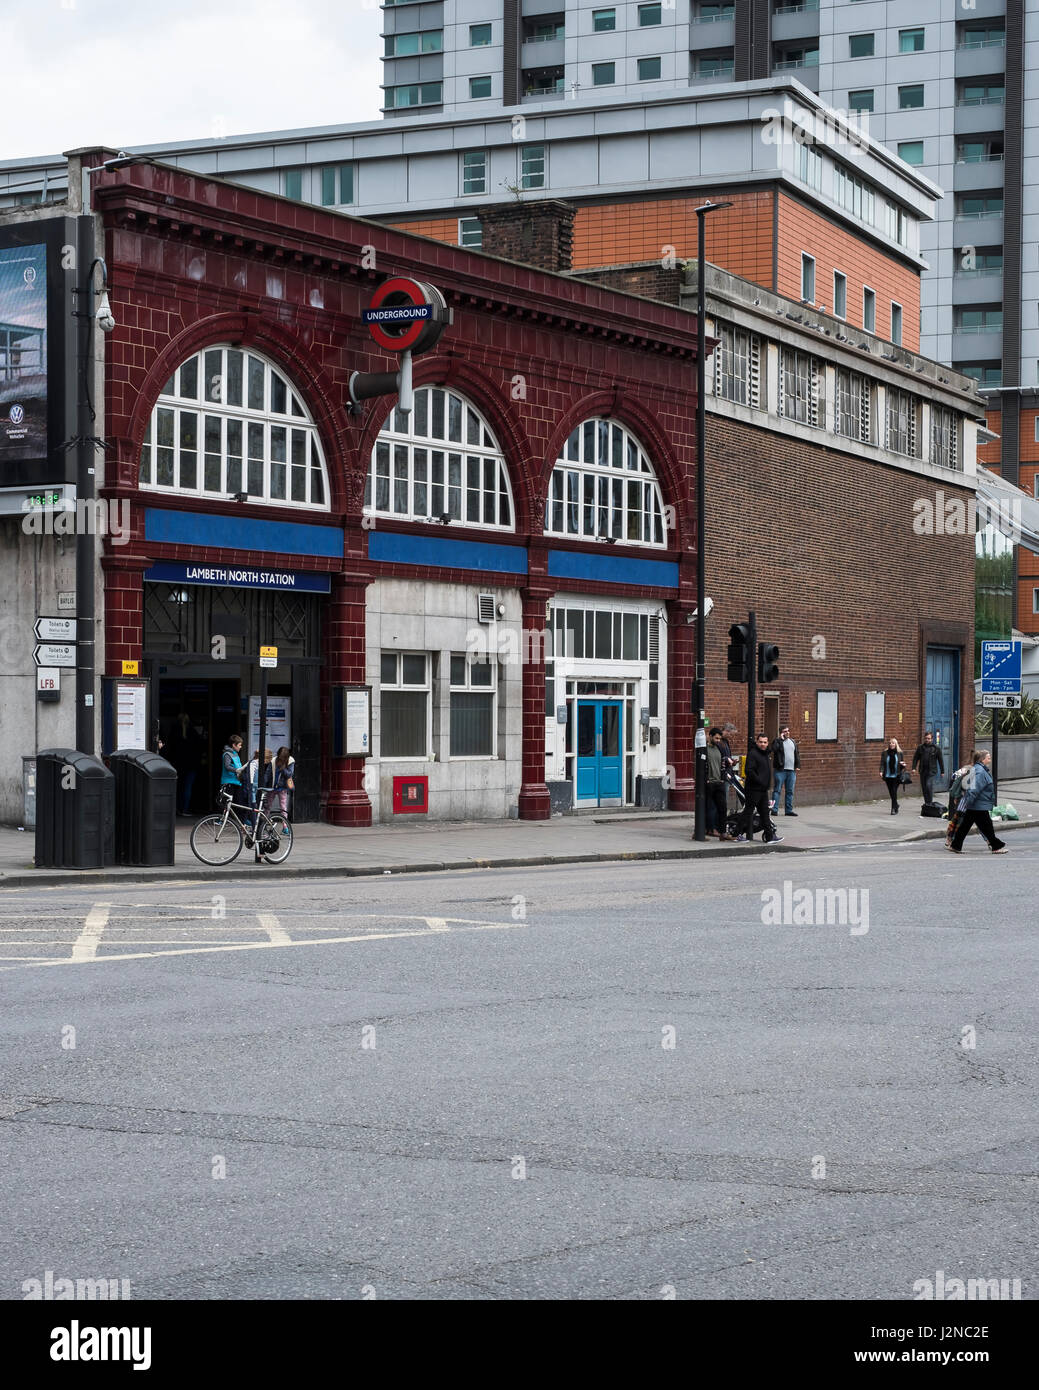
(768, 662)
(739, 653)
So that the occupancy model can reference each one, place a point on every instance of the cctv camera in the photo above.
(104, 317)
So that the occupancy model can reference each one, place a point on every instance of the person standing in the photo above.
(928, 758)
(232, 773)
(756, 784)
(717, 808)
(786, 760)
(980, 799)
(892, 765)
(284, 779)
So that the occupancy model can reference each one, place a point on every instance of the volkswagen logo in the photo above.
(16, 415)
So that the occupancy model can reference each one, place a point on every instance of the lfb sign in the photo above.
(407, 315)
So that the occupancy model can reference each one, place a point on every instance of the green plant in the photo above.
(1014, 721)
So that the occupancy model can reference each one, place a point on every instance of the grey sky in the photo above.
(132, 72)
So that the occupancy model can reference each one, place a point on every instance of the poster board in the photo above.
(279, 722)
(826, 716)
(874, 716)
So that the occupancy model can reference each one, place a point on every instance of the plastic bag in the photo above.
(1006, 812)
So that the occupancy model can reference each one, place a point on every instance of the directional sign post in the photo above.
(1000, 675)
(54, 654)
(55, 629)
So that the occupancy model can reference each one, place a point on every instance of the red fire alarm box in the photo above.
(410, 795)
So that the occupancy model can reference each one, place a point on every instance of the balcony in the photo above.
(795, 22)
(719, 33)
(970, 286)
(981, 62)
(972, 346)
(978, 118)
(970, 175)
(541, 53)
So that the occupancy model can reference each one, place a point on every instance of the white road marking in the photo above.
(436, 923)
(266, 945)
(274, 929)
(86, 944)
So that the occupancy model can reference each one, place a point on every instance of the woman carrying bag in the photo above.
(284, 778)
(893, 771)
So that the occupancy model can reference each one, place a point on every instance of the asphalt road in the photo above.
(613, 1081)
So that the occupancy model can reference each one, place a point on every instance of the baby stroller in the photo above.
(734, 820)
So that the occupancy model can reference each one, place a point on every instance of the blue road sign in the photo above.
(1001, 668)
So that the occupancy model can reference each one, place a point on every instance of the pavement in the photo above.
(328, 850)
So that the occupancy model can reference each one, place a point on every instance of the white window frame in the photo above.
(867, 290)
(278, 432)
(899, 318)
(809, 166)
(468, 183)
(839, 278)
(527, 177)
(1035, 600)
(591, 501)
(465, 226)
(468, 688)
(403, 453)
(399, 685)
(807, 272)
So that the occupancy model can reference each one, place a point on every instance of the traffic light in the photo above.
(739, 653)
(768, 662)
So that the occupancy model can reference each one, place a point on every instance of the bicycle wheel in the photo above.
(280, 827)
(215, 841)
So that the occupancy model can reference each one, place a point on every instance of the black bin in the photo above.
(75, 811)
(145, 807)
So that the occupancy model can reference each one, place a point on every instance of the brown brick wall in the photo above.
(817, 555)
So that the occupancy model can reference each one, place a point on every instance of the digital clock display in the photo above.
(43, 499)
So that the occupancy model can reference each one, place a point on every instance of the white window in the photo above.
(840, 294)
(810, 166)
(470, 232)
(799, 394)
(473, 707)
(532, 166)
(474, 171)
(901, 422)
(404, 699)
(853, 406)
(869, 310)
(442, 463)
(896, 324)
(945, 440)
(229, 424)
(604, 488)
(808, 278)
(737, 365)
(1036, 428)
(1035, 600)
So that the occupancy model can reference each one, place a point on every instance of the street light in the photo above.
(700, 752)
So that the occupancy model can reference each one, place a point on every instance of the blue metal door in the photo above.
(600, 756)
(942, 707)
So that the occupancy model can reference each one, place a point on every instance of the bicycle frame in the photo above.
(262, 822)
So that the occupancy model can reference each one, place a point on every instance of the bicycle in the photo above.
(218, 839)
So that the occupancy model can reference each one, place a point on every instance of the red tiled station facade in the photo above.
(194, 261)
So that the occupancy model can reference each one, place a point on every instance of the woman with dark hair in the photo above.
(892, 765)
(284, 777)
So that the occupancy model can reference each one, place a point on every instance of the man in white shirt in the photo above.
(786, 759)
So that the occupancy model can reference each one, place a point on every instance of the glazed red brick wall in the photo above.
(875, 598)
(835, 247)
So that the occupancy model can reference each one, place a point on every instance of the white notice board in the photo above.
(358, 723)
(131, 715)
(874, 714)
(279, 722)
(826, 716)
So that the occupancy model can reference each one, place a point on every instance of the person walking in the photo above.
(284, 779)
(717, 808)
(928, 757)
(786, 760)
(959, 786)
(756, 784)
(892, 766)
(977, 807)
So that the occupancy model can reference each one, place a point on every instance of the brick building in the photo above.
(511, 569)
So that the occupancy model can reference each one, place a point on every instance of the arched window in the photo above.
(227, 423)
(604, 488)
(442, 464)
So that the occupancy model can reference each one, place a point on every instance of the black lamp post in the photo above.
(700, 752)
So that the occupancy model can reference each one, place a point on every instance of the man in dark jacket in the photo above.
(786, 759)
(757, 781)
(930, 759)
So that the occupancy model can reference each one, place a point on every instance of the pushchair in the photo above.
(734, 819)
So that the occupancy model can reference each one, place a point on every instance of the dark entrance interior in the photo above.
(196, 719)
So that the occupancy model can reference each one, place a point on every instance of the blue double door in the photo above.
(942, 707)
(600, 752)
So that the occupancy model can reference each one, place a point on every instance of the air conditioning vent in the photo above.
(486, 608)
(654, 639)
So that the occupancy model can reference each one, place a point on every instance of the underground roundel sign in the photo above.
(406, 315)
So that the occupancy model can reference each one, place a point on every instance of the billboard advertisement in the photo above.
(23, 352)
(38, 271)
